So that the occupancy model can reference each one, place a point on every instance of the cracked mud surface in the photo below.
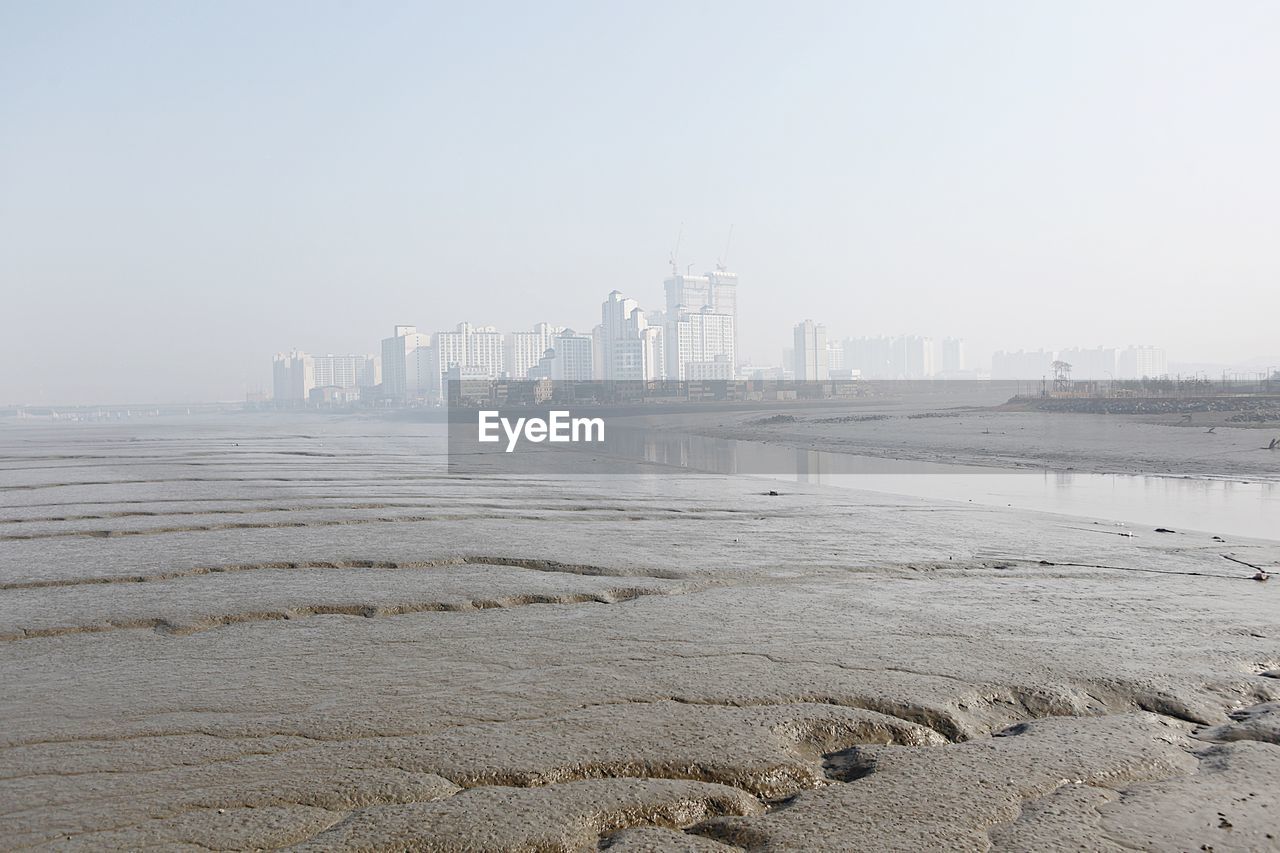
(252, 634)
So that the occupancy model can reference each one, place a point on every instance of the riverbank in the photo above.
(1104, 444)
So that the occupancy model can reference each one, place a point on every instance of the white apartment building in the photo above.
(620, 347)
(478, 347)
(345, 371)
(296, 374)
(835, 355)
(571, 359)
(916, 355)
(811, 352)
(292, 377)
(717, 369)
(406, 364)
(630, 348)
(716, 292)
(701, 346)
(953, 360)
(903, 357)
(724, 294)
(701, 325)
(1099, 363)
(687, 293)
(1143, 362)
(526, 349)
(1022, 365)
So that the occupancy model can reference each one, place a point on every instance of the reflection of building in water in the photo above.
(662, 447)
(809, 467)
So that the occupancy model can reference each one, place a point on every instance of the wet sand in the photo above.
(250, 633)
(982, 435)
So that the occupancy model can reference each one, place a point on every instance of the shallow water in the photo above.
(1222, 507)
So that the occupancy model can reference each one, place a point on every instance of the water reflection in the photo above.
(1224, 507)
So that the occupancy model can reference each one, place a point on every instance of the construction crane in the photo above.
(675, 253)
(724, 259)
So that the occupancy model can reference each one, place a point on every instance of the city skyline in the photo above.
(187, 189)
(691, 338)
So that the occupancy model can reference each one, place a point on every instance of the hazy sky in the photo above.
(187, 188)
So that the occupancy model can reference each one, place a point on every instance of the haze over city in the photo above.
(640, 426)
(189, 190)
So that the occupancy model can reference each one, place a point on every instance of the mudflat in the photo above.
(1201, 446)
(259, 632)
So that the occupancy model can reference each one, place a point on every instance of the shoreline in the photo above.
(1126, 445)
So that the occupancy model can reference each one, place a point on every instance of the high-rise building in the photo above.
(835, 355)
(701, 325)
(687, 293)
(1143, 362)
(292, 377)
(343, 371)
(573, 357)
(871, 357)
(700, 346)
(526, 349)
(904, 357)
(1099, 363)
(724, 295)
(811, 351)
(296, 374)
(619, 344)
(716, 292)
(952, 356)
(597, 351)
(913, 357)
(630, 348)
(478, 347)
(407, 358)
(371, 376)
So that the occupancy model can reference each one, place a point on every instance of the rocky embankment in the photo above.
(1245, 410)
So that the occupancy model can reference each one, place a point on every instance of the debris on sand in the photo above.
(1165, 530)
(1260, 574)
